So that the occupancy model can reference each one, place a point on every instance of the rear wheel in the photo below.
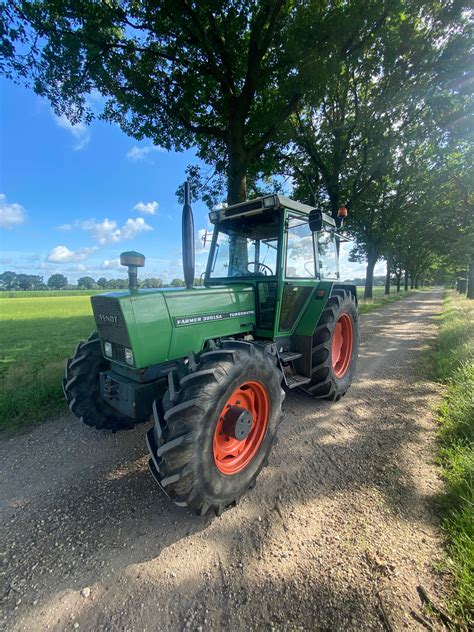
(335, 347)
(81, 386)
(213, 433)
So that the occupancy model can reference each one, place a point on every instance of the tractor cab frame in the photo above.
(269, 243)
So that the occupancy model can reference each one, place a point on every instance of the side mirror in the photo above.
(315, 220)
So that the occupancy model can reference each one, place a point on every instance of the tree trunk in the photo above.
(399, 281)
(236, 193)
(387, 275)
(406, 280)
(470, 281)
(369, 277)
(237, 185)
(417, 283)
(237, 167)
(412, 282)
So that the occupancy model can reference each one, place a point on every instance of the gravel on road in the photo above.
(337, 534)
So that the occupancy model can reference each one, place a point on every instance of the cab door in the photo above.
(298, 271)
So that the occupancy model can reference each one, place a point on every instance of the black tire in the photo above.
(81, 388)
(187, 417)
(324, 383)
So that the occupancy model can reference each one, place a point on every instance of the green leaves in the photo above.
(221, 76)
(386, 135)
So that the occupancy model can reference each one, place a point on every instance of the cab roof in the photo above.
(261, 204)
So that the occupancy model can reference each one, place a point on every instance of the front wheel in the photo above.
(335, 347)
(81, 387)
(214, 432)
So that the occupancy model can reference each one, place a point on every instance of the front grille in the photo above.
(111, 324)
(118, 353)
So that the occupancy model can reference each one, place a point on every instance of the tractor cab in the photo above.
(279, 246)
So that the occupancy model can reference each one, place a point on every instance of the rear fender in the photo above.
(346, 286)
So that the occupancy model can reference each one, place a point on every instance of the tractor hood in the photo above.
(166, 324)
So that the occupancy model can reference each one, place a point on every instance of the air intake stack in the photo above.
(187, 227)
(133, 260)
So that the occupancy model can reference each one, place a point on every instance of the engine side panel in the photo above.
(166, 324)
(199, 314)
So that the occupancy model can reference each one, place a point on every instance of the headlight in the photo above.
(108, 349)
(128, 356)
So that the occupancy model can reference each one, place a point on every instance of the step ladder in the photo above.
(293, 380)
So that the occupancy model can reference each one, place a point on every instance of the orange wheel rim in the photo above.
(232, 455)
(342, 345)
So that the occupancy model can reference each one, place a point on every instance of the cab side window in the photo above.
(300, 250)
(327, 254)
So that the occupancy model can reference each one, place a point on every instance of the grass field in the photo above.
(38, 331)
(454, 366)
(47, 293)
(36, 335)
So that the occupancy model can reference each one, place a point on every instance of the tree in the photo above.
(177, 283)
(8, 280)
(120, 284)
(27, 282)
(354, 147)
(103, 283)
(223, 77)
(85, 283)
(12, 281)
(57, 281)
(152, 283)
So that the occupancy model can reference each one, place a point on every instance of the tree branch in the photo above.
(256, 148)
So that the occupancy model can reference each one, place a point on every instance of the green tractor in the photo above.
(212, 364)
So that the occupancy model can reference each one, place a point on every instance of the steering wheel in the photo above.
(259, 268)
(309, 263)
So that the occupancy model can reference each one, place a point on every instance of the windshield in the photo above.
(246, 247)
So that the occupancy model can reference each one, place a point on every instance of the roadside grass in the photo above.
(36, 335)
(454, 366)
(379, 299)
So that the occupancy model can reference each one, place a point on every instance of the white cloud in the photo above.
(95, 102)
(200, 247)
(141, 153)
(10, 214)
(132, 227)
(65, 227)
(146, 207)
(62, 254)
(111, 264)
(107, 232)
(353, 269)
(79, 131)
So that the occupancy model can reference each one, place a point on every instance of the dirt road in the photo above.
(336, 535)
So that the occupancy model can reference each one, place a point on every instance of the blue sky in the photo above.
(73, 197)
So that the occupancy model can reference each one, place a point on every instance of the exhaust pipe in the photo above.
(187, 228)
